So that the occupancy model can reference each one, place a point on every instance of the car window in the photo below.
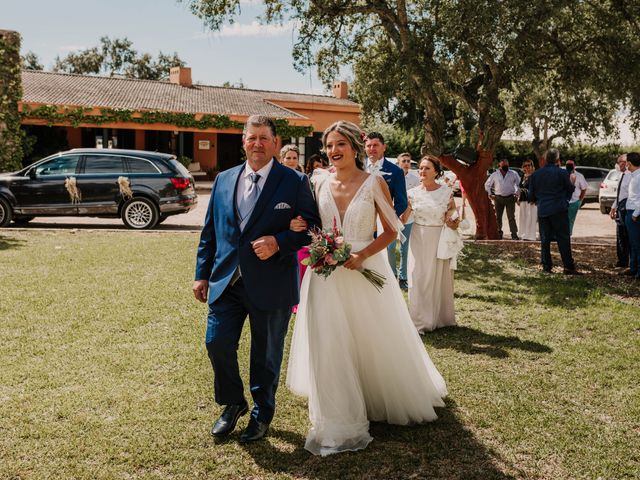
(140, 165)
(181, 168)
(103, 164)
(614, 175)
(63, 165)
(591, 174)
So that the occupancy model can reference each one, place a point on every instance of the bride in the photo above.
(355, 352)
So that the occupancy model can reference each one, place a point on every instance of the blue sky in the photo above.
(259, 56)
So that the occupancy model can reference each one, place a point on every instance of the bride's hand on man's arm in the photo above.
(298, 224)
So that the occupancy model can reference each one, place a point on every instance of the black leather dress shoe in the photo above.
(571, 271)
(227, 421)
(255, 431)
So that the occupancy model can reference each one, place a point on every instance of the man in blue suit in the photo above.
(247, 266)
(377, 164)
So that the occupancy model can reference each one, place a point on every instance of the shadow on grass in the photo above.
(444, 449)
(473, 342)
(498, 280)
(7, 242)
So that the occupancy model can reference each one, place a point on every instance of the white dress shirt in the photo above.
(580, 184)
(373, 167)
(633, 200)
(503, 185)
(623, 188)
(245, 181)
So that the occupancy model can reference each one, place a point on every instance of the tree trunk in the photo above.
(473, 179)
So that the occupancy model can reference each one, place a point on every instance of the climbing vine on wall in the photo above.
(76, 116)
(10, 93)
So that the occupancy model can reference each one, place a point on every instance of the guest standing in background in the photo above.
(619, 212)
(315, 161)
(632, 218)
(503, 186)
(377, 164)
(430, 278)
(411, 180)
(550, 189)
(579, 191)
(290, 157)
(528, 211)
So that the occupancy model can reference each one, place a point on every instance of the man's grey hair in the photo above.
(260, 121)
(552, 155)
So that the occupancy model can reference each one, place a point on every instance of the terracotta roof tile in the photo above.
(115, 92)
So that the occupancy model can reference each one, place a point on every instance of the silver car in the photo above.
(609, 190)
(594, 177)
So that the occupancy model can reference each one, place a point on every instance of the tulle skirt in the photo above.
(357, 356)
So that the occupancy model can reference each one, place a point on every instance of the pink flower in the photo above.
(329, 260)
(339, 241)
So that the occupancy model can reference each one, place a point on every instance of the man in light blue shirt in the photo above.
(632, 219)
(502, 187)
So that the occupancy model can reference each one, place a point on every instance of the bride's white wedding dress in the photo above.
(355, 352)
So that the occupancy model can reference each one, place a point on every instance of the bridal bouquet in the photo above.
(328, 251)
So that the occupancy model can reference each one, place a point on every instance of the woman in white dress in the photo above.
(355, 353)
(528, 211)
(430, 278)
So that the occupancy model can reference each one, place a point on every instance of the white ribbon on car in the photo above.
(125, 188)
(72, 187)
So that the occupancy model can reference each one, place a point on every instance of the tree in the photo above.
(118, 57)
(30, 61)
(468, 53)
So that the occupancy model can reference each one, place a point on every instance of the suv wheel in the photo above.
(140, 213)
(5, 213)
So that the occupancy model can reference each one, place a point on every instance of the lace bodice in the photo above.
(359, 222)
(429, 208)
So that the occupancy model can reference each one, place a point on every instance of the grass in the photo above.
(104, 374)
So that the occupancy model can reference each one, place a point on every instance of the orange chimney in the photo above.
(180, 76)
(341, 89)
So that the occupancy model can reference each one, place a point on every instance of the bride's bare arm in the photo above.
(382, 241)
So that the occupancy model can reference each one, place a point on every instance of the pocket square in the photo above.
(282, 206)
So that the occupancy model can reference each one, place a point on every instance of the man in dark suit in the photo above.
(550, 188)
(377, 164)
(247, 265)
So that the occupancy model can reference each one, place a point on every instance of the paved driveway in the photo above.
(591, 225)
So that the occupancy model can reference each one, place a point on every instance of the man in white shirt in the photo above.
(619, 211)
(503, 186)
(579, 192)
(632, 218)
(412, 180)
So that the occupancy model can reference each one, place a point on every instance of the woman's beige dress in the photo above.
(430, 279)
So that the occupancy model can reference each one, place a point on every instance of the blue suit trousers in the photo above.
(268, 331)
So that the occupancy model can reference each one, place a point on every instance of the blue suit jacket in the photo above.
(273, 283)
(394, 176)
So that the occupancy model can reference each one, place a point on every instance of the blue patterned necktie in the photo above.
(248, 200)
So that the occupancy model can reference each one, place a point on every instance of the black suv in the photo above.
(142, 188)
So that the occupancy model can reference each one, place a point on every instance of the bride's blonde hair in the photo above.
(353, 134)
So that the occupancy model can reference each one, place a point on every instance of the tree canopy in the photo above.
(502, 61)
(118, 57)
(483, 62)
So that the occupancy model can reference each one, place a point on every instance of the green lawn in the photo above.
(104, 374)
